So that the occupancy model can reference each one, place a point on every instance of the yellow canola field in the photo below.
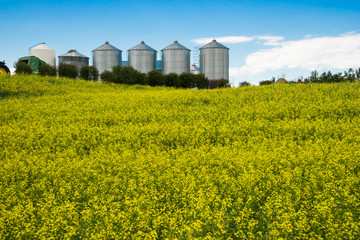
(82, 160)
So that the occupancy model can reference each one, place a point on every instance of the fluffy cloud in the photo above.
(319, 53)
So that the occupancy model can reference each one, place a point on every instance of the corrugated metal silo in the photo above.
(142, 58)
(175, 59)
(74, 58)
(44, 52)
(214, 61)
(106, 56)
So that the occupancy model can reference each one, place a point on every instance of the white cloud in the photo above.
(228, 39)
(318, 53)
(271, 40)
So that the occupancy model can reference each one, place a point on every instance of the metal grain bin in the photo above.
(106, 56)
(74, 58)
(44, 52)
(142, 58)
(214, 61)
(175, 59)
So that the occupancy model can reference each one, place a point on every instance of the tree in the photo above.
(187, 80)
(85, 73)
(172, 80)
(244, 84)
(223, 83)
(47, 70)
(266, 82)
(155, 78)
(107, 76)
(94, 73)
(201, 81)
(68, 70)
(23, 68)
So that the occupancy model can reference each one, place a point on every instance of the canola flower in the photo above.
(104, 161)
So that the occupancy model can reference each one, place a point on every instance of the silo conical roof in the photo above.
(214, 44)
(41, 46)
(73, 53)
(107, 47)
(175, 46)
(142, 47)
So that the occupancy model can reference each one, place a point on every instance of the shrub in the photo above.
(68, 70)
(244, 84)
(23, 68)
(47, 70)
(201, 81)
(172, 80)
(85, 73)
(107, 76)
(223, 83)
(94, 73)
(266, 82)
(155, 78)
(187, 80)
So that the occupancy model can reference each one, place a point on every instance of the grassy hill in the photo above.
(101, 161)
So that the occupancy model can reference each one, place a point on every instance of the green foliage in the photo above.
(94, 73)
(201, 81)
(172, 80)
(23, 68)
(68, 70)
(107, 76)
(127, 75)
(244, 84)
(47, 70)
(266, 82)
(188, 80)
(89, 73)
(155, 78)
(84, 160)
(85, 73)
(223, 83)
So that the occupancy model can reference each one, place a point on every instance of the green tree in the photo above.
(94, 73)
(187, 80)
(223, 83)
(155, 78)
(201, 81)
(107, 76)
(85, 73)
(68, 70)
(172, 80)
(47, 70)
(266, 82)
(23, 68)
(244, 84)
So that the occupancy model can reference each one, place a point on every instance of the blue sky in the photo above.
(266, 38)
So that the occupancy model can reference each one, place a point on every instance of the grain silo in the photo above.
(106, 56)
(214, 61)
(44, 52)
(74, 58)
(175, 59)
(142, 58)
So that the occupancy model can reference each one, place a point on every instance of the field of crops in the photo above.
(101, 161)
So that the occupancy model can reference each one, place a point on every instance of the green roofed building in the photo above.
(33, 61)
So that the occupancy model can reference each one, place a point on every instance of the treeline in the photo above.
(122, 75)
(129, 75)
(326, 77)
(63, 70)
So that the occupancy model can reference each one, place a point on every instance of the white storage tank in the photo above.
(44, 52)
(142, 58)
(175, 59)
(106, 56)
(214, 61)
(74, 58)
